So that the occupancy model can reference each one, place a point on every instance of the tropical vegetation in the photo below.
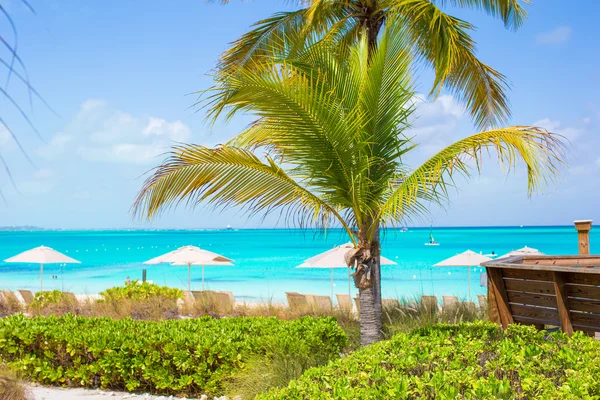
(438, 40)
(135, 290)
(328, 146)
(186, 357)
(467, 361)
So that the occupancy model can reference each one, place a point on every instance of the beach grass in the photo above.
(11, 388)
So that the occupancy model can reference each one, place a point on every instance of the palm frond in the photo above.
(224, 177)
(512, 12)
(444, 42)
(541, 151)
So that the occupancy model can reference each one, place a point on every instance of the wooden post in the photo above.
(583, 235)
(492, 306)
(497, 284)
(562, 302)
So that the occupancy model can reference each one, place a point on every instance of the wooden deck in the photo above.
(561, 291)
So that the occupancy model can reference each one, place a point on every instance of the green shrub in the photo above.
(468, 360)
(188, 357)
(136, 291)
(43, 299)
(55, 303)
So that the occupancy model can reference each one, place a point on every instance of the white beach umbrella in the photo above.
(525, 251)
(192, 255)
(335, 258)
(466, 259)
(42, 255)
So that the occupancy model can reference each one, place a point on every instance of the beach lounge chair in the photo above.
(311, 300)
(223, 301)
(206, 298)
(483, 301)
(11, 299)
(70, 297)
(323, 303)
(449, 302)
(430, 303)
(27, 296)
(469, 305)
(188, 298)
(9, 296)
(231, 297)
(390, 303)
(296, 301)
(344, 302)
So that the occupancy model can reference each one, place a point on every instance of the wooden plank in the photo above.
(535, 321)
(549, 263)
(563, 303)
(497, 283)
(537, 313)
(586, 320)
(529, 274)
(583, 235)
(529, 286)
(582, 279)
(584, 305)
(562, 262)
(534, 299)
(492, 306)
(589, 332)
(583, 292)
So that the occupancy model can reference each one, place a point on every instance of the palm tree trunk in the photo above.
(372, 22)
(371, 327)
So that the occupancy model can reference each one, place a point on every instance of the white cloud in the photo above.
(41, 182)
(101, 133)
(177, 131)
(443, 106)
(55, 147)
(435, 123)
(560, 34)
(127, 153)
(571, 133)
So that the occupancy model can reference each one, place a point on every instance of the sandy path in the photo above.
(46, 393)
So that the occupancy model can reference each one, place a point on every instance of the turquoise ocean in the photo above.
(265, 259)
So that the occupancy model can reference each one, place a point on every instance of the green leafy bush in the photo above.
(137, 291)
(468, 360)
(43, 299)
(140, 301)
(188, 357)
(54, 303)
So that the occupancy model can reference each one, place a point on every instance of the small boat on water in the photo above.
(432, 241)
(405, 229)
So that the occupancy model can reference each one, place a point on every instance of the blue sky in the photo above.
(118, 74)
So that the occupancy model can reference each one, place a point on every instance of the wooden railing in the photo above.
(544, 291)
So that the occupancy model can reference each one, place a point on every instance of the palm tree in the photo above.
(327, 147)
(439, 40)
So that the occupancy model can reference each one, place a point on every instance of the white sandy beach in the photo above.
(47, 393)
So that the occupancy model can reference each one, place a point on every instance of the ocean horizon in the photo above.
(265, 259)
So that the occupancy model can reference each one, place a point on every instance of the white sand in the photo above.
(47, 393)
